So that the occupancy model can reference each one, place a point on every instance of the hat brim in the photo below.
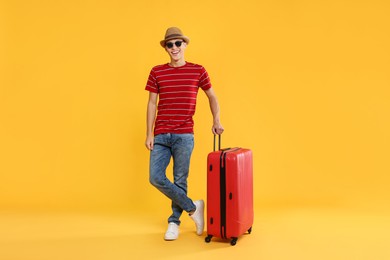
(185, 38)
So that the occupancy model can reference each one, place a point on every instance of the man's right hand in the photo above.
(149, 142)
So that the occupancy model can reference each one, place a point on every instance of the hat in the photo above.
(174, 33)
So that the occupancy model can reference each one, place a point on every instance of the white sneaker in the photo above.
(172, 232)
(198, 216)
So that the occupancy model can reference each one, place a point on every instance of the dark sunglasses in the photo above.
(170, 44)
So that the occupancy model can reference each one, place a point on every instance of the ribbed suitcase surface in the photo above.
(229, 193)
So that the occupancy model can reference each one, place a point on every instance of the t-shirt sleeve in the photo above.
(204, 80)
(151, 85)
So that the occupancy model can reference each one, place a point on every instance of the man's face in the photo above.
(176, 52)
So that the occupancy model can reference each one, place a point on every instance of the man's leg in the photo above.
(159, 160)
(182, 147)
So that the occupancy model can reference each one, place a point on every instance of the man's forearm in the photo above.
(214, 107)
(150, 117)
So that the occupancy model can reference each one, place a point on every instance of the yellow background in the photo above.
(304, 84)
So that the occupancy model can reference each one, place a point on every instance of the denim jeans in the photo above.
(179, 147)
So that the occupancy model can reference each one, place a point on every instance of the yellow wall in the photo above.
(305, 84)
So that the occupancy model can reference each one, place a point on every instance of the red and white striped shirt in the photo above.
(177, 88)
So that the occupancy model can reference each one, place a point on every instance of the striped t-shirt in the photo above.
(177, 88)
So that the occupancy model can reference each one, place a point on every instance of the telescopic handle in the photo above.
(219, 142)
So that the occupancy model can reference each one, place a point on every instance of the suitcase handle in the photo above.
(219, 142)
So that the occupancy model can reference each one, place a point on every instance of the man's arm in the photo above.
(214, 107)
(150, 117)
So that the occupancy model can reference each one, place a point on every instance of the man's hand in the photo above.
(217, 128)
(149, 143)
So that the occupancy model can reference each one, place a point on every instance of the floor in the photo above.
(293, 233)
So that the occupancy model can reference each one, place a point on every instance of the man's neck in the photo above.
(177, 63)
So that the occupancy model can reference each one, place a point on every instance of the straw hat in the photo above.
(174, 33)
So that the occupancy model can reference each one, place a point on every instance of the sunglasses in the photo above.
(170, 44)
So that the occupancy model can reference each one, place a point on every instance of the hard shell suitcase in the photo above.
(229, 193)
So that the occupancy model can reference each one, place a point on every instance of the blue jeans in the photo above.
(179, 147)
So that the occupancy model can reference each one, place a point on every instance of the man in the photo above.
(175, 85)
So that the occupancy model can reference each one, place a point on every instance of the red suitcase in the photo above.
(229, 193)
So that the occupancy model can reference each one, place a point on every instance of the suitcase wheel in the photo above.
(233, 242)
(250, 230)
(208, 238)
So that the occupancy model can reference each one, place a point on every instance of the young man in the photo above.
(175, 85)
